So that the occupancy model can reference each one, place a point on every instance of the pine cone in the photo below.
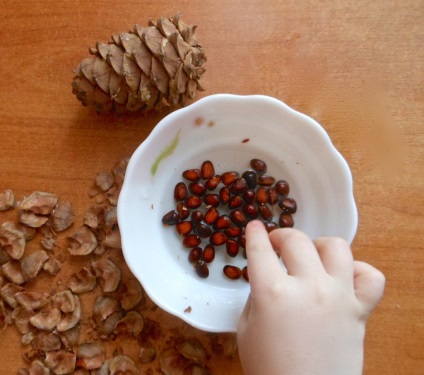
(146, 68)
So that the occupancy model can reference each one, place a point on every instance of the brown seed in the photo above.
(286, 221)
(192, 174)
(233, 231)
(249, 195)
(239, 186)
(184, 227)
(213, 182)
(228, 178)
(266, 180)
(232, 272)
(270, 226)
(191, 240)
(235, 202)
(242, 241)
(193, 201)
(238, 218)
(259, 166)
(222, 222)
(183, 211)
(272, 196)
(288, 205)
(251, 179)
(207, 170)
(212, 215)
(202, 269)
(224, 194)
(195, 254)
(197, 216)
(180, 191)
(211, 200)
(218, 238)
(266, 212)
(208, 254)
(250, 210)
(282, 187)
(197, 188)
(232, 247)
(245, 273)
(171, 218)
(202, 230)
(262, 195)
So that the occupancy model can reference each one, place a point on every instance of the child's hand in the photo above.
(310, 320)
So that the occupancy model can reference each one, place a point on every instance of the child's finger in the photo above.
(336, 258)
(297, 252)
(369, 285)
(262, 261)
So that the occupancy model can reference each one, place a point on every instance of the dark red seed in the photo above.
(239, 186)
(232, 272)
(232, 247)
(208, 254)
(183, 211)
(262, 195)
(197, 216)
(212, 215)
(249, 195)
(235, 202)
(202, 269)
(191, 240)
(238, 218)
(197, 188)
(192, 174)
(195, 254)
(213, 182)
(242, 241)
(180, 191)
(286, 221)
(233, 232)
(288, 205)
(184, 227)
(171, 218)
(266, 211)
(270, 226)
(217, 238)
(282, 187)
(222, 222)
(211, 200)
(245, 273)
(193, 201)
(228, 178)
(266, 180)
(259, 166)
(224, 194)
(202, 230)
(272, 196)
(207, 170)
(251, 179)
(250, 210)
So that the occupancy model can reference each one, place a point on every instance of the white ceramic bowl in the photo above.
(229, 130)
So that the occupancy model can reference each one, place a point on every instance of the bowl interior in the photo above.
(230, 131)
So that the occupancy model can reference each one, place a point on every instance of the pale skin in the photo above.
(311, 318)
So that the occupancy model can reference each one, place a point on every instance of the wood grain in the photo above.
(356, 67)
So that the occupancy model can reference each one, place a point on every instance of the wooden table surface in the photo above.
(355, 67)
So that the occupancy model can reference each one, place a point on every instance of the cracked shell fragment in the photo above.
(64, 301)
(39, 202)
(82, 242)
(7, 200)
(46, 319)
(130, 324)
(62, 216)
(82, 281)
(32, 264)
(32, 300)
(13, 241)
(61, 362)
(108, 273)
(122, 364)
(91, 355)
(71, 319)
